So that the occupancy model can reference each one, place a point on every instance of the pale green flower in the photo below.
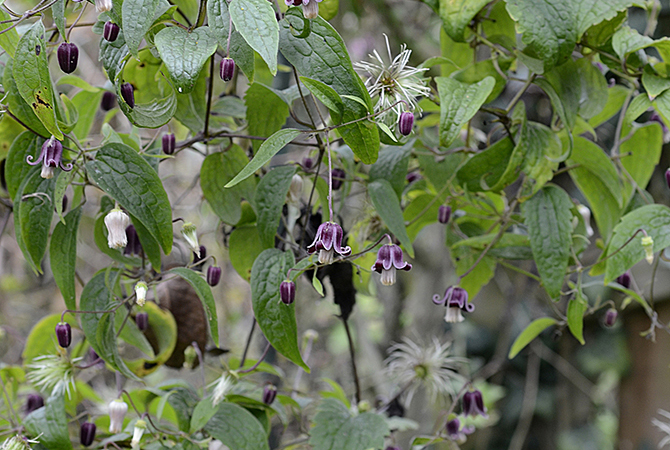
(53, 373)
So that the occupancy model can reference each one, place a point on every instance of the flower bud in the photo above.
(412, 177)
(648, 245)
(310, 8)
(134, 246)
(307, 163)
(667, 177)
(141, 293)
(624, 279)
(338, 178)
(610, 317)
(117, 411)
(473, 404)
(107, 102)
(586, 215)
(189, 357)
(444, 214)
(203, 254)
(128, 94)
(64, 203)
(68, 55)
(227, 69)
(116, 222)
(287, 292)
(269, 393)
(64, 334)
(189, 232)
(213, 275)
(168, 143)
(34, 401)
(138, 431)
(111, 31)
(295, 190)
(406, 123)
(103, 5)
(142, 320)
(87, 433)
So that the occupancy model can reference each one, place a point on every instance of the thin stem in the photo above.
(74, 24)
(9, 404)
(352, 353)
(198, 352)
(330, 180)
(519, 94)
(246, 347)
(201, 14)
(209, 96)
(260, 360)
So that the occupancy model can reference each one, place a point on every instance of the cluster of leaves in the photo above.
(501, 186)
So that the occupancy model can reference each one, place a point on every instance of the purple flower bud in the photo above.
(111, 31)
(393, 447)
(108, 100)
(34, 401)
(203, 255)
(406, 123)
(412, 177)
(128, 94)
(142, 320)
(624, 279)
(213, 275)
(453, 427)
(338, 178)
(473, 404)
(293, 2)
(667, 178)
(287, 292)
(269, 393)
(610, 317)
(227, 69)
(64, 203)
(307, 163)
(444, 214)
(168, 143)
(64, 334)
(87, 433)
(68, 54)
(133, 245)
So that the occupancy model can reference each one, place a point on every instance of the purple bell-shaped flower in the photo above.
(473, 404)
(50, 157)
(68, 55)
(456, 300)
(327, 242)
(128, 94)
(287, 292)
(110, 32)
(389, 259)
(227, 69)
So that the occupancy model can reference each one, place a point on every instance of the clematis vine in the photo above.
(389, 259)
(50, 157)
(327, 242)
(456, 300)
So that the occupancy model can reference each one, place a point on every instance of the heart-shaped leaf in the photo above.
(335, 428)
(185, 53)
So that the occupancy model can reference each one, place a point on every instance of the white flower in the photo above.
(116, 222)
(664, 427)
(16, 443)
(430, 366)
(141, 293)
(394, 82)
(189, 232)
(103, 5)
(117, 411)
(138, 431)
(53, 373)
(586, 214)
(295, 190)
(221, 389)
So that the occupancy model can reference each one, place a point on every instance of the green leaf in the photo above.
(638, 106)
(457, 14)
(628, 40)
(31, 74)
(150, 245)
(9, 40)
(244, 246)
(335, 428)
(547, 216)
(113, 54)
(420, 205)
(653, 83)
(599, 181)
(644, 148)
(237, 428)
(387, 205)
(256, 22)
(276, 320)
(50, 424)
(86, 101)
(269, 199)
(33, 210)
(268, 149)
(204, 292)
(16, 167)
(243, 55)
(566, 109)
(484, 170)
(532, 331)
(317, 285)
(185, 53)
(137, 17)
(130, 180)
(266, 111)
(131, 334)
(58, 12)
(550, 28)
(576, 309)
(153, 114)
(18, 106)
(191, 108)
(217, 170)
(202, 412)
(458, 104)
(63, 253)
(599, 34)
(99, 327)
(392, 166)
(323, 56)
(463, 259)
(183, 401)
(164, 328)
(655, 220)
(326, 95)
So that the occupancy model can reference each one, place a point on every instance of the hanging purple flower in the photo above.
(389, 259)
(610, 317)
(133, 247)
(107, 102)
(64, 334)
(34, 401)
(128, 94)
(456, 300)
(287, 292)
(473, 404)
(50, 157)
(624, 279)
(455, 432)
(327, 242)
(87, 433)
(169, 143)
(269, 393)
(68, 55)
(142, 320)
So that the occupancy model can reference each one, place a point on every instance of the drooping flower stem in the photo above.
(258, 363)
(352, 353)
(330, 180)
